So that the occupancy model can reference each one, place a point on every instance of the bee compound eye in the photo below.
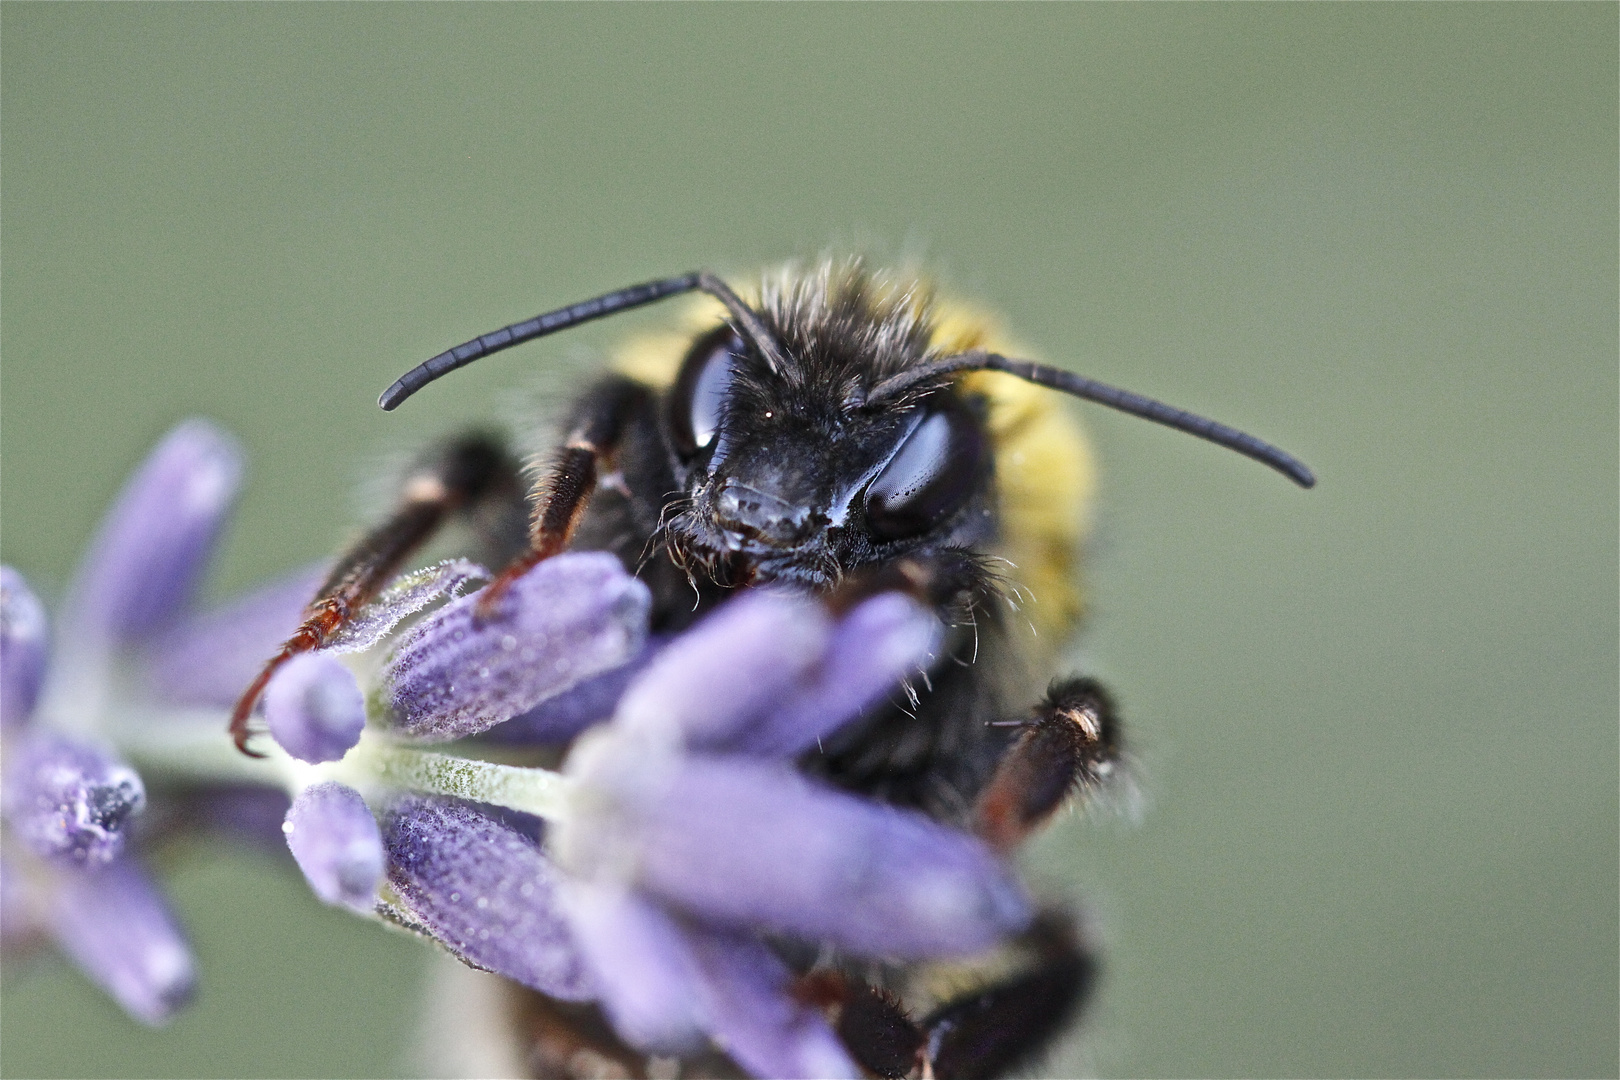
(699, 393)
(933, 473)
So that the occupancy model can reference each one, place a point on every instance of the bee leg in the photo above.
(1071, 746)
(464, 474)
(872, 1024)
(560, 497)
(1000, 1027)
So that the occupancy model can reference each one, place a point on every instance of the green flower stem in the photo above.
(192, 745)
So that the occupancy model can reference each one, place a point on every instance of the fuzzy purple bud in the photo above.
(314, 708)
(154, 542)
(113, 923)
(568, 619)
(485, 891)
(68, 800)
(337, 845)
(23, 647)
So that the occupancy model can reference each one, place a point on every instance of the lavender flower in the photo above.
(657, 874)
(67, 798)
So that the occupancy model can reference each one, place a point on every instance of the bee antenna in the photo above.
(1091, 390)
(746, 319)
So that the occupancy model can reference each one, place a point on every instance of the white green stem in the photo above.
(193, 745)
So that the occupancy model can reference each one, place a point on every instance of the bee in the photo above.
(841, 432)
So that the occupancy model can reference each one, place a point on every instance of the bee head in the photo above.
(790, 474)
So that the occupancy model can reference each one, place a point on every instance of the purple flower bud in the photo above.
(566, 620)
(642, 965)
(209, 658)
(114, 925)
(873, 650)
(67, 800)
(753, 1017)
(556, 720)
(710, 682)
(23, 647)
(485, 891)
(754, 844)
(155, 540)
(314, 708)
(337, 845)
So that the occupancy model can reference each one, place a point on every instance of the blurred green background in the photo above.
(1377, 721)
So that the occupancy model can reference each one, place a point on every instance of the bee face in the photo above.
(788, 474)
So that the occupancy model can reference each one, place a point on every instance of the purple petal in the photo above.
(241, 814)
(154, 542)
(641, 963)
(485, 891)
(568, 619)
(874, 648)
(23, 648)
(337, 845)
(208, 659)
(754, 844)
(713, 680)
(69, 800)
(113, 923)
(314, 707)
(753, 1017)
(557, 720)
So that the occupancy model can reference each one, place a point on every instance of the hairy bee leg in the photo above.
(1002, 1026)
(1070, 746)
(465, 472)
(560, 497)
(872, 1024)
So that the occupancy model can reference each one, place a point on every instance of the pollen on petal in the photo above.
(569, 619)
(23, 647)
(485, 890)
(314, 708)
(337, 845)
(69, 800)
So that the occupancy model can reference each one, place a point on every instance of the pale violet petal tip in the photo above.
(68, 800)
(744, 842)
(753, 1016)
(484, 890)
(873, 650)
(336, 843)
(153, 544)
(115, 926)
(710, 683)
(314, 707)
(570, 618)
(24, 643)
(641, 964)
